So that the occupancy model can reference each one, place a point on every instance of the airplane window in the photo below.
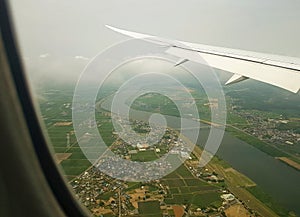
(163, 108)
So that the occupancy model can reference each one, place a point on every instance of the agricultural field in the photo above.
(149, 209)
(144, 156)
(55, 107)
(184, 188)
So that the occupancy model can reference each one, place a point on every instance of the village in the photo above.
(271, 130)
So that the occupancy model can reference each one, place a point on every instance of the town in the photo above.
(188, 190)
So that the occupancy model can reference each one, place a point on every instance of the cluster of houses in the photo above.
(92, 185)
(268, 129)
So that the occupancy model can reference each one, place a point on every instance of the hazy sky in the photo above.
(64, 34)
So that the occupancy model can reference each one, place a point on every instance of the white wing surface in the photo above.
(280, 71)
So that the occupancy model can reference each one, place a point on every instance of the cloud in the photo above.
(63, 69)
(45, 55)
(82, 57)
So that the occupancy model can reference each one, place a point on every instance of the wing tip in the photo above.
(112, 28)
(129, 33)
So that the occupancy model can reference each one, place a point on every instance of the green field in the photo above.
(144, 156)
(184, 188)
(55, 108)
(149, 209)
(156, 103)
(269, 99)
(268, 201)
(77, 162)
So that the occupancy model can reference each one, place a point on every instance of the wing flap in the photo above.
(235, 79)
(181, 61)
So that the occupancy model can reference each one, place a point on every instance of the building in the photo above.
(228, 197)
(143, 146)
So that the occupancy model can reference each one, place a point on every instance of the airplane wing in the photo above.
(280, 71)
